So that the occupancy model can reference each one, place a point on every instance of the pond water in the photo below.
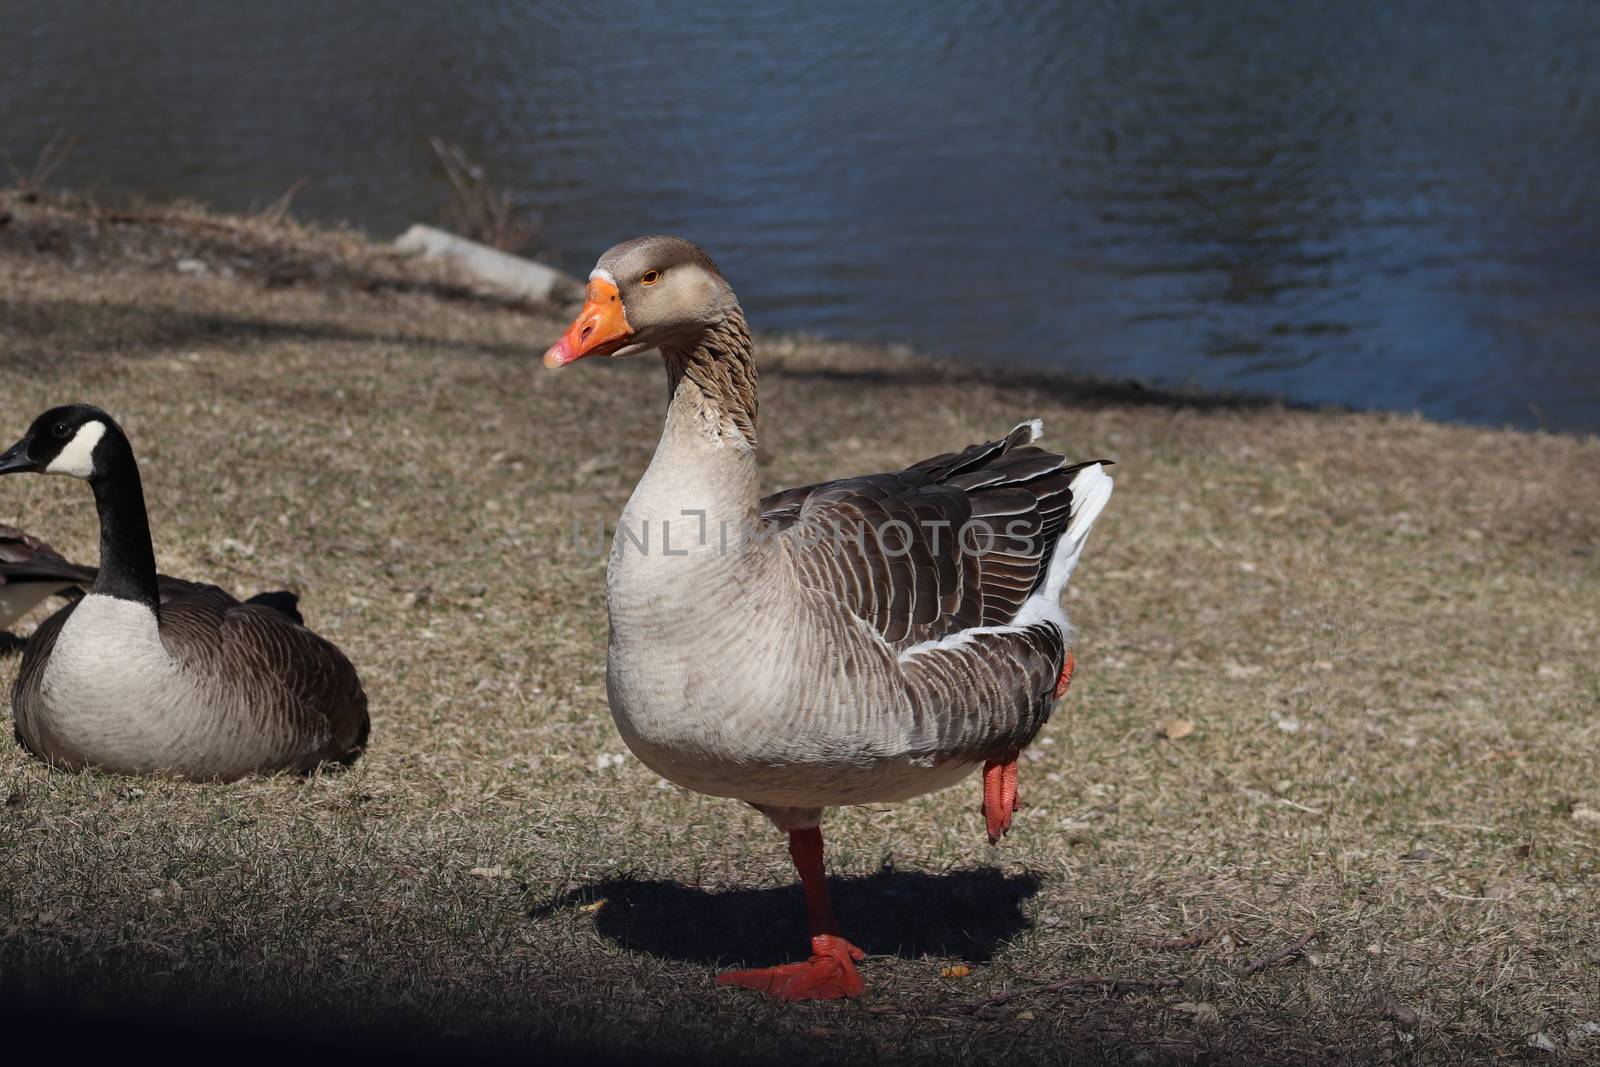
(1391, 205)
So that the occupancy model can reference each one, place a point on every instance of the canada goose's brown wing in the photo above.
(170, 588)
(24, 557)
(280, 600)
(954, 542)
(283, 602)
(300, 684)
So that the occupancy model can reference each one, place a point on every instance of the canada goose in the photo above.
(857, 641)
(201, 686)
(31, 572)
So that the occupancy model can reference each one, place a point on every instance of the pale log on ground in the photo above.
(508, 275)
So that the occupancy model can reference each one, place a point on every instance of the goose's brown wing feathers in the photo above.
(1009, 673)
(25, 557)
(957, 541)
(301, 680)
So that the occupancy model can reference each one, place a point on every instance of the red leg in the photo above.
(830, 973)
(1000, 776)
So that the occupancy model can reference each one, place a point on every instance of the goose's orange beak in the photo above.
(600, 328)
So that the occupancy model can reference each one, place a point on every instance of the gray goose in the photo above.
(200, 686)
(857, 641)
(31, 572)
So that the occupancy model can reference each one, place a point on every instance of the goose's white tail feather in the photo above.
(1091, 489)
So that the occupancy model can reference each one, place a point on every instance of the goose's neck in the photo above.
(702, 488)
(127, 559)
(711, 383)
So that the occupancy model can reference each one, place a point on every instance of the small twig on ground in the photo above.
(1101, 982)
(1183, 944)
(1278, 955)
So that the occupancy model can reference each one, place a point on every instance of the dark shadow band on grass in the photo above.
(1071, 390)
(98, 329)
(967, 914)
(47, 1022)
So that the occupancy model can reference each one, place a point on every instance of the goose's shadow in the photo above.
(968, 914)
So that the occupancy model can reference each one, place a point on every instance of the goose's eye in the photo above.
(650, 277)
(61, 430)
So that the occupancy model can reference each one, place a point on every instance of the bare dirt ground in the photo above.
(1326, 788)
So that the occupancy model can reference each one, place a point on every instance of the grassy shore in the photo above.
(1337, 678)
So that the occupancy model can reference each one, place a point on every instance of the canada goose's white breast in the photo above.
(111, 691)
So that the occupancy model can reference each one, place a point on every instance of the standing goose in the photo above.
(30, 573)
(858, 641)
(200, 686)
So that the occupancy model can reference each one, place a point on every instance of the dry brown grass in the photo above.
(1382, 631)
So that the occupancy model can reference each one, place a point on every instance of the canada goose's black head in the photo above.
(75, 439)
(643, 294)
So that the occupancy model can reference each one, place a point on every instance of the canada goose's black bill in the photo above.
(601, 328)
(14, 460)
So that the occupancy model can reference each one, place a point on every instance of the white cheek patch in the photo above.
(601, 274)
(77, 459)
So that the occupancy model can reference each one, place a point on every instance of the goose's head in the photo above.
(643, 294)
(75, 439)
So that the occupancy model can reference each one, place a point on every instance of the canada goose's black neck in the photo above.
(127, 559)
(717, 378)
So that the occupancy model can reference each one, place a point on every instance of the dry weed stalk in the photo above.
(479, 210)
(278, 210)
(50, 159)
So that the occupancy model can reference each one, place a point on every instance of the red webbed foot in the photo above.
(999, 796)
(1000, 776)
(829, 974)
